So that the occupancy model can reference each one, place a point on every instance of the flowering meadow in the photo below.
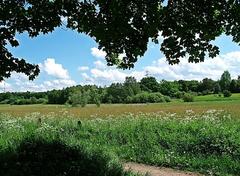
(208, 143)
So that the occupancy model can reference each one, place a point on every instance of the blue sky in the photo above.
(67, 58)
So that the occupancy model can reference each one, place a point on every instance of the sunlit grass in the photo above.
(218, 97)
(91, 111)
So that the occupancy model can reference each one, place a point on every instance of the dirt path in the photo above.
(156, 171)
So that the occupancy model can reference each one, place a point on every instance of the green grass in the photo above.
(201, 136)
(216, 97)
(208, 143)
(91, 111)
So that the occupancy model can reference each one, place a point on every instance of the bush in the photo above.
(167, 98)
(206, 92)
(155, 98)
(32, 100)
(188, 97)
(129, 99)
(178, 94)
(227, 93)
(146, 97)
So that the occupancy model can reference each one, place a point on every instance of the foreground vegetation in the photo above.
(208, 143)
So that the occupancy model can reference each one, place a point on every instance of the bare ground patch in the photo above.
(156, 171)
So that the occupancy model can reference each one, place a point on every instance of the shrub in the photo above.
(167, 98)
(129, 99)
(98, 103)
(80, 98)
(188, 97)
(141, 98)
(146, 97)
(227, 93)
(155, 98)
(206, 92)
(178, 94)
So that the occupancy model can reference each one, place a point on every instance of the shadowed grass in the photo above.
(40, 157)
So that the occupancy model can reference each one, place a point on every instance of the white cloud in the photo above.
(83, 68)
(20, 83)
(87, 79)
(5, 87)
(54, 69)
(58, 84)
(211, 68)
(99, 64)
(35, 86)
(98, 53)
(112, 75)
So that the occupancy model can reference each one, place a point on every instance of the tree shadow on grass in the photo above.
(41, 158)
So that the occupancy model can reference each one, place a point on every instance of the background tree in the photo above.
(217, 88)
(57, 96)
(95, 96)
(206, 85)
(235, 86)
(84, 98)
(149, 84)
(75, 98)
(132, 86)
(168, 88)
(116, 93)
(225, 81)
(188, 27)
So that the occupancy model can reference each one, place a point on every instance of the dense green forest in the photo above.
(147, 90)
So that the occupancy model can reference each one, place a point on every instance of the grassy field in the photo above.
(201, 136)
(216, 97)
(91, 111)
(207, 143)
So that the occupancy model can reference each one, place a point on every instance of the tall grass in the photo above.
(208, 143)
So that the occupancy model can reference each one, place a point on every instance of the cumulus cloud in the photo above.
(211, 68)
(54, 69)
(87, 79)
(112, 75)
(99, 64)
(83, 68)
(36, 86)
(5, 87)
(58, 84)
(98, 53)
(20, 83)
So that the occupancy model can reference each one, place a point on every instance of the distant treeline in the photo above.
(148, 90)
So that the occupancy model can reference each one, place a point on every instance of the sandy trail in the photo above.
(156, 171)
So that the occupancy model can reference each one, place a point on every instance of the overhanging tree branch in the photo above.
(121, 26)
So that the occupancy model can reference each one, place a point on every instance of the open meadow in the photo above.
(201, 136)
(202, 104)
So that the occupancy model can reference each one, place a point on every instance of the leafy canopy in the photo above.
(121, 27)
